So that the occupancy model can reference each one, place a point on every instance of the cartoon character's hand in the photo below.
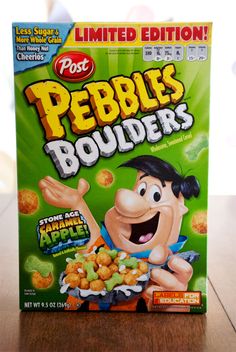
(163, 279)
(59, 195)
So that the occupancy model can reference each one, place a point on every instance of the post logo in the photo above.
(74, 66)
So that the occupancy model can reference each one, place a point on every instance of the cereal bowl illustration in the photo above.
(108, 277)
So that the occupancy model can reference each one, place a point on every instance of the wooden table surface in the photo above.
(70, 331)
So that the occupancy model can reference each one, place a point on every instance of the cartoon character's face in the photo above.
(148, 215)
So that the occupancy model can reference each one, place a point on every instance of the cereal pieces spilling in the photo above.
(103, 271)
(28, 201)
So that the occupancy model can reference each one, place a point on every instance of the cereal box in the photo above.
(112, 148)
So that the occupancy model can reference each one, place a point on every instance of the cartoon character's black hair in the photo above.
(156, 167)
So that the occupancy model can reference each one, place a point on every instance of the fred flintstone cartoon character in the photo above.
(145, 221)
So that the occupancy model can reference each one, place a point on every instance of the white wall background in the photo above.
(223, 83)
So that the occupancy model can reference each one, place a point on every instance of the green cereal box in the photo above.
(112, 147)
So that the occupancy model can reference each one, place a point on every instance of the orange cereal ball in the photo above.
(114, 268)
(39, 281)
(84, 284)
(199, 222)
(28, 201)
(116, 260)
(72, 267)
(143, 267)
(104, 273)
(123, 255)
(136, 272)
(123, 277)
(103, 258)
(97, 285)
(73, 280)
(81, 272)
(125, 271)
(92, 257)
(104, 178)
(130, 279)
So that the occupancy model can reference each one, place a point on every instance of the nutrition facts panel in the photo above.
(175, 52)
